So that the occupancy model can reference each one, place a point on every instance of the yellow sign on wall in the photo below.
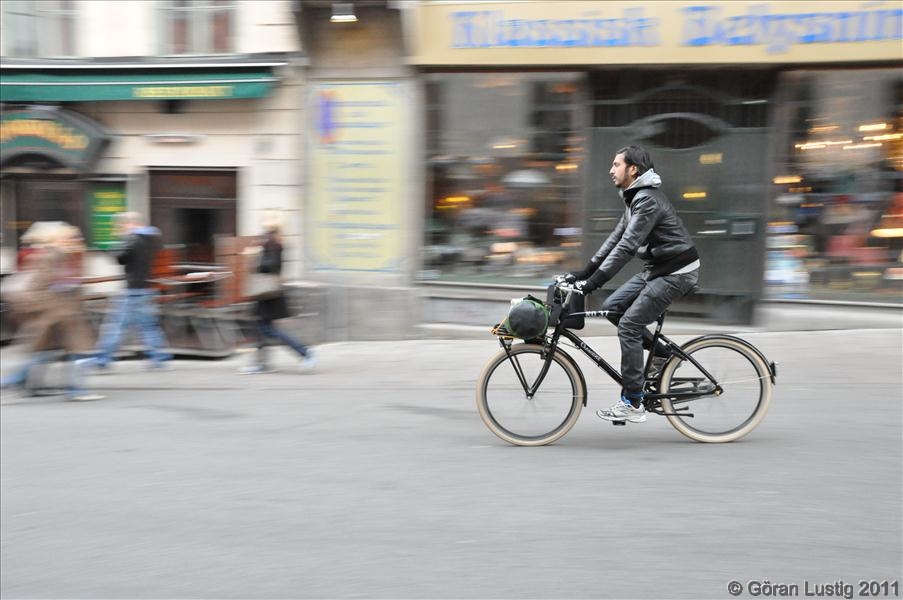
(357, 158)
(657, 32)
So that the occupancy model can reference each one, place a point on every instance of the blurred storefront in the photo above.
(168, 141)
(49, 157)
(836, 210)
(776, 129)
(195, 121)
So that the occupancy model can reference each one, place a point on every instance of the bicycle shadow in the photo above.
(631, 438)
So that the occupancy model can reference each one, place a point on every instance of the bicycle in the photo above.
(531, 393)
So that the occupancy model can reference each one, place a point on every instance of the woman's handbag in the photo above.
(257, 285)
(261, 286)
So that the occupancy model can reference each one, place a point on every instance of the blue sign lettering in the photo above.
(490, 29)
(703, 25)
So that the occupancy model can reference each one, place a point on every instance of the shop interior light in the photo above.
(873, 127)
(714, 158)
(452, 202)
(888, 232)
(822, 144)
(694, 195)
(883, 138)
(861, 146)
(782, 179)
(343, 12)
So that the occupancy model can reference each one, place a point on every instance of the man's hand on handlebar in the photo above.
(582, 287)
(565, 278)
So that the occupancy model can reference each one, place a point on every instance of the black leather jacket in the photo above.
(649, 229)
(137, 256)
(271, 256)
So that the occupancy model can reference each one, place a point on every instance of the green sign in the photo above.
(105, 201)
(155, 85)
(65, 138)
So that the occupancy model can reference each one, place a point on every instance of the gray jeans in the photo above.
(638, 303)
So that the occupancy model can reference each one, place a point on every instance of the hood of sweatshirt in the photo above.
(146, 230)
(649, 179)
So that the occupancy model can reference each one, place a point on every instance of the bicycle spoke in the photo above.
(744, 389)
(512, 412)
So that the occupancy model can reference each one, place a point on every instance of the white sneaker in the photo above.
(310, 360)
(160, 366)
(623, 411)
(254, 370)
(86, 397)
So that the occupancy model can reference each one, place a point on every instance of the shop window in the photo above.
(49, 200)
(192, 207)
(505, 153)
(198, 26)
(39, 28)
(836, 211)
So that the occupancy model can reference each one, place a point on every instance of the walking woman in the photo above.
(48, 305)
(272, 306)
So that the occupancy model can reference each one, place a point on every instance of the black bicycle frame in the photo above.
(561, 331)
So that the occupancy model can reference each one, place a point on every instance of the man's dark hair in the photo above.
(637, 156)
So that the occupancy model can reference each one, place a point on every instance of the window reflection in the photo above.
(836, 229)
(44, 28)
(504, 159)
(198, 26)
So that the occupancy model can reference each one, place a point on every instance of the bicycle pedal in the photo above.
(619, 422)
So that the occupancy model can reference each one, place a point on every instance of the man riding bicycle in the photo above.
(651, 230)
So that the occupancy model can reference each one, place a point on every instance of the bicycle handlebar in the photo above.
(568, 287)
(564, 286)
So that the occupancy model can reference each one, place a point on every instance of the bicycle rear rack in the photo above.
(655, 407)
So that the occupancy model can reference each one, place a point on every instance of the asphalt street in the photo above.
(374, 477)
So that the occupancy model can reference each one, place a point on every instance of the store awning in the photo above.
(165, 85)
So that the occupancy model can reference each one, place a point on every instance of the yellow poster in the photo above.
(357, 142)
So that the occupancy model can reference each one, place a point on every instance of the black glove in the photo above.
(565, 278)
(585, 287)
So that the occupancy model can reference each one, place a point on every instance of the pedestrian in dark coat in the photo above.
(272, 307)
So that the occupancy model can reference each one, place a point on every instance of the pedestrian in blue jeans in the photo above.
(136, 306)
(273, 307)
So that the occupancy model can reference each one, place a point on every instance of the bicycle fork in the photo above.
(529, 390)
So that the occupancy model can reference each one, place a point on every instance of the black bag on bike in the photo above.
(555, 299)
(527, 319)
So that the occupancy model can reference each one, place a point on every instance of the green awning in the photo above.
(81, 87)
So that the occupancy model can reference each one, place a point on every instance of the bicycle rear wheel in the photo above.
(510, 413)
(745, 380)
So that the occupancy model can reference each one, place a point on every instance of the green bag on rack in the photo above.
(527, 319)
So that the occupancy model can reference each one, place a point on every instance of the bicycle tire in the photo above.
(505, 409)
(744, 376)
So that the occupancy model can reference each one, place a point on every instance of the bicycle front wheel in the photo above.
(511, 413)
(745, 381)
